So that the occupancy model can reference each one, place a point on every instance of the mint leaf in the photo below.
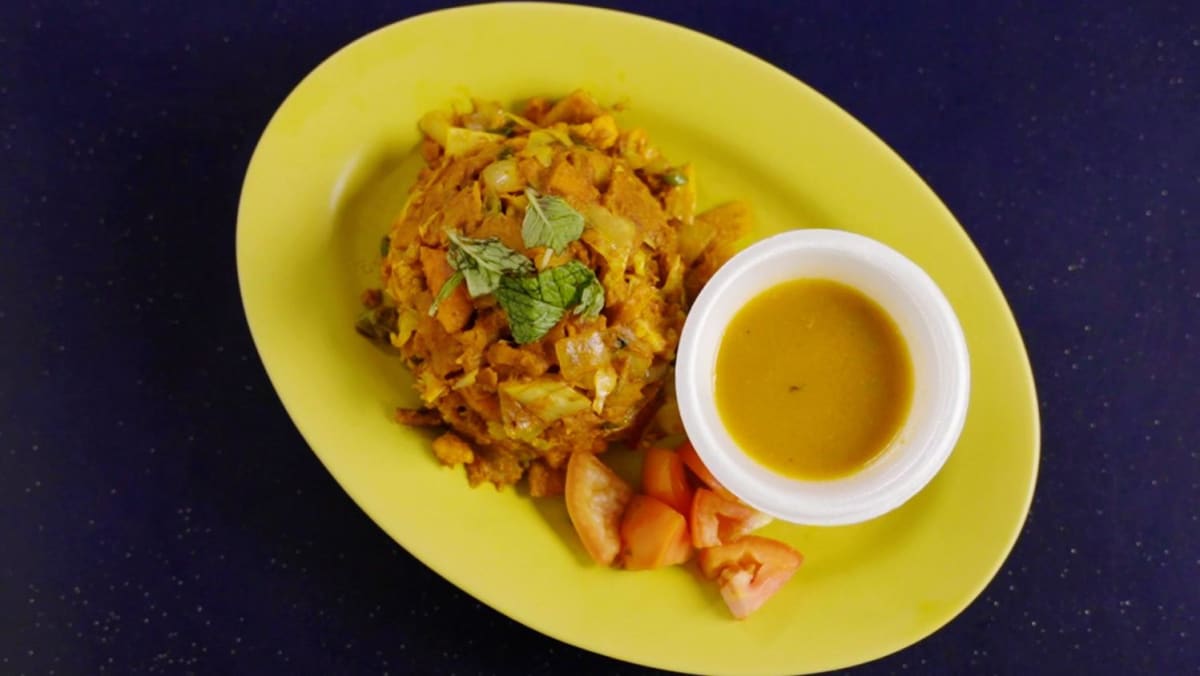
(535, 303)
(563, 285)
(550, 222)
(529, 317)
(483, 262)
(445, 291)
(591, 299)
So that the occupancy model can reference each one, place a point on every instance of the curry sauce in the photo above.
(813, 379)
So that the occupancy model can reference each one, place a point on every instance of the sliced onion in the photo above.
(503, 177)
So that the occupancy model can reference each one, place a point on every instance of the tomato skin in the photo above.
(664, 477)
(745, 592)
(708, 510)
(758, 520)
(687, 453)
(753, 548)
(681, 551)
(749, 571)
(715, 520)
(596, 498)
(651, 531)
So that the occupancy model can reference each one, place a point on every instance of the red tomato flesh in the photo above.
(650, 534)
(749, 571)
(664, 477)
(596, 498)
(716, 520)
(687, 453)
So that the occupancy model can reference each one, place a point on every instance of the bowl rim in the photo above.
(902, 469)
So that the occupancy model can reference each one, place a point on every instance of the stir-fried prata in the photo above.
(536, 284)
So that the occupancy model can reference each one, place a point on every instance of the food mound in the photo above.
(536, 284)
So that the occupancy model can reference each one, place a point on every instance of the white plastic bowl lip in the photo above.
(936, 346)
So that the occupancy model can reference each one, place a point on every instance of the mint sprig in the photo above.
(533, 301)
(481, 263)
(536, 303)
(550, 222)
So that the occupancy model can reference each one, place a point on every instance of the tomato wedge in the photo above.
(717, 521)
(687, 453)
(758, 520)
(596, 498)
(680, 551)
(749, 571)
(651, 533)
(663, 477)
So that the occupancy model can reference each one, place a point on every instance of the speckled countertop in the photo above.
(160, 514)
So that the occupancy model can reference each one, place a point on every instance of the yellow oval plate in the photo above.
(329, 175)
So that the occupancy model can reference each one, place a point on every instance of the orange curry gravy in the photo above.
(813, 379)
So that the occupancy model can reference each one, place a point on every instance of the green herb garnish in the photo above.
(550, 222)
(675, 177)
(444, 292)
(535, 303)
(591, 299)
(384, 245)
(529, 317)
(481, 263)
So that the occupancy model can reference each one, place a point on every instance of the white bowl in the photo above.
(941, 375)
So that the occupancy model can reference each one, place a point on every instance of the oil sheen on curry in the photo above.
(813, 379)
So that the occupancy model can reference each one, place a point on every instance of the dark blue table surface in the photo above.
(159, 512)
